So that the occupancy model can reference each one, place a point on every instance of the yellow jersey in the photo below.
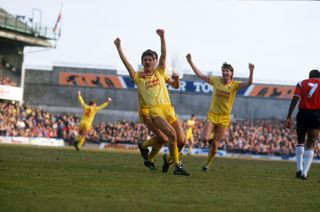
(222, 96)
(152, 90)
(90, 111)
(190, 124)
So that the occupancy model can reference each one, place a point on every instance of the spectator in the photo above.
(254, 136)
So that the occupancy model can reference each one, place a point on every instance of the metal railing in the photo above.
(24, 25)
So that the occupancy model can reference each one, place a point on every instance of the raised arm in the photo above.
(294, 101)
(163, 56)
(130, 69)
(80, 99)
(250, 79)
(196, 70)
(174, 80)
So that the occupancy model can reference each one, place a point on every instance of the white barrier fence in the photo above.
(10, 93)
(32, 141)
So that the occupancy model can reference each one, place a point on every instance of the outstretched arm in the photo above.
(250, 79)
(117, 43)
(163, 56)
(105, 104)
(174, 80)
(294, 101)
(196, 70)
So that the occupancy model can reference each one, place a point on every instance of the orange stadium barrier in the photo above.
(124, 82)
(91, 80)
(272, 91)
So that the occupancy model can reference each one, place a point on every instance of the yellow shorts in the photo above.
(164, 111)
(219, 120)
(188, 134)
(84, 125)
(143, 114)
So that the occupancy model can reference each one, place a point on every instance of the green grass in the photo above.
(55, 179)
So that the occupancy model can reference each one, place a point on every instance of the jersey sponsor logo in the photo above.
(222, 93)
(152, 83)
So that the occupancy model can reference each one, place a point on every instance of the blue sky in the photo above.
(280, 37)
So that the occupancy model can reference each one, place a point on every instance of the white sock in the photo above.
(308, 157)
(299, 157)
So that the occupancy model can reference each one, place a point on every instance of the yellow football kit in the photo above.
(154, 95)
(223, 96)
(143, 110)
(188, 132)
(89, 113)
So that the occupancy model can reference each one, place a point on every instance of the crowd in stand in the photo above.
(267, 137)
(7, 81)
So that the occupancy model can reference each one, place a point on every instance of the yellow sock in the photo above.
(169, 158)
(155, 150)
(150, 142)
(189, 149)
(174, 153)
(211, 154)
(80, 141)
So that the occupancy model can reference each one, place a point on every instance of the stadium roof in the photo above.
(13, 28)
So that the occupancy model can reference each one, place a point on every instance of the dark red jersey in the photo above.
(309, 92)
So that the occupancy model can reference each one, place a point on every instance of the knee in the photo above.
(172, 135)
(161, 140)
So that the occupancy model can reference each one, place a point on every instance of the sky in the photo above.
(280, 37)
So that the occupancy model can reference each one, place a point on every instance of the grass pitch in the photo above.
(55, 179)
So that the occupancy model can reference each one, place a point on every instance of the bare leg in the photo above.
(170, 132)
(218, 135)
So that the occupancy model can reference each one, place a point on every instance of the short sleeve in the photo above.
(135, 77)
(163, 73)
(235, 85)
(166, 76)
(214, 80)
(297, 90)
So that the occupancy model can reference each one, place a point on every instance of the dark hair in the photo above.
(314, 74)
(155, 55)
(92, 102)
(150, 53)
(193, 115)
(227, 66)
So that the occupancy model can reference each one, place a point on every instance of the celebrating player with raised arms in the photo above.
(89, 111)
(224, 92)
(151, 86)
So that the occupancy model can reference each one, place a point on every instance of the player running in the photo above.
(151, 86)
(308, 121)
(223, 95)
(89, 111)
